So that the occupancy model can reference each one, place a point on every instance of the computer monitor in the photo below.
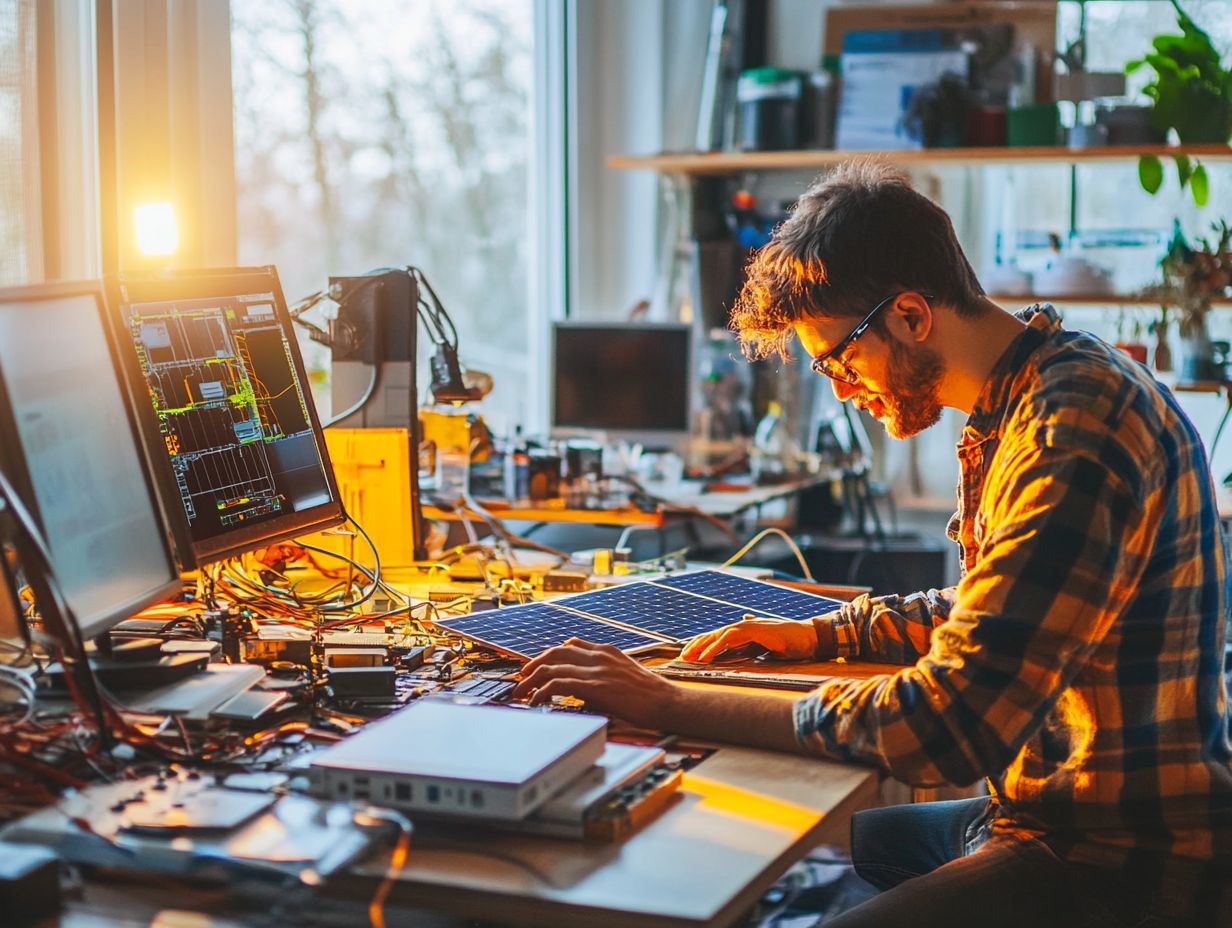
(627, 380)
(226, 389)
(71, 448)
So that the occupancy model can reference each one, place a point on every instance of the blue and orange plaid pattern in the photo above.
(1078, 663)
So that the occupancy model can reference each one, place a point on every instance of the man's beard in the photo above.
(913, 383)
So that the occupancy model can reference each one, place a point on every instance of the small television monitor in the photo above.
(74, 452)
(628, 380)
(226, 390)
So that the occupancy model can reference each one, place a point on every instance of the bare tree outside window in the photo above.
(388, 133)
(20, 230)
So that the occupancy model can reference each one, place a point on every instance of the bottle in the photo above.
(766, 457)
(517, 467)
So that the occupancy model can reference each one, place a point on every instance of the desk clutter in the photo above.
(224, 652)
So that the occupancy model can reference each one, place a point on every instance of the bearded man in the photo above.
(1077, 666)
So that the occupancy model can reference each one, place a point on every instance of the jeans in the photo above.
(936, 865)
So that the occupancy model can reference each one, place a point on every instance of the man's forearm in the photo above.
(753, 719)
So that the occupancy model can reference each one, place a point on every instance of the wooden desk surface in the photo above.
(741, 818)
(686, 496)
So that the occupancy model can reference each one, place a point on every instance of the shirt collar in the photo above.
(1042, 322)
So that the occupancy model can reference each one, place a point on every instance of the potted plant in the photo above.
(1191, 92)
(1192, 278)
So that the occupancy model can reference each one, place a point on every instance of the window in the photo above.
(393, 133)
(20, 226)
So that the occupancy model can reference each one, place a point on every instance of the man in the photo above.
(1077, 665)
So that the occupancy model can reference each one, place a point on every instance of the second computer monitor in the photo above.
(627, 380)
(75, 456)
(228, 389)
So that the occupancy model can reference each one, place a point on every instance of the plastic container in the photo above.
(769, 101)
(769, 444)
(821, 96)
(452, 475)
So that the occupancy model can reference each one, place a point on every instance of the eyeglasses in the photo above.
(832, 365)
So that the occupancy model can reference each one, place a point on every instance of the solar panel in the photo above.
(781, 602)
(657, 609)
(531, 629)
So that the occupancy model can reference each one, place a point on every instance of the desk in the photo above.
(679, 500)
(683, 508)
(741, 818)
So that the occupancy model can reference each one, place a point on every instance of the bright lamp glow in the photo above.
(156, 230)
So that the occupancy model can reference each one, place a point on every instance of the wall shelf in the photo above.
(1010, 300)
(734, 162)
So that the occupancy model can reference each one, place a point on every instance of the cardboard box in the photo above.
(1033, 21)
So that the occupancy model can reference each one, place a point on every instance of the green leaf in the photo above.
(1132, 66)
(1150, 173)
(1198, 185)
(1183, 169)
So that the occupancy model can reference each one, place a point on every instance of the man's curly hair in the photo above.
(857, 235)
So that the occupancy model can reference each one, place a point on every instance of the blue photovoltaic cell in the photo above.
(531, 629)
(656, 609)
(773, 600)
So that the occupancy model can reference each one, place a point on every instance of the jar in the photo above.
(769, 101)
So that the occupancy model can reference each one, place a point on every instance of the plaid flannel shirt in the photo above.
(1078, 663)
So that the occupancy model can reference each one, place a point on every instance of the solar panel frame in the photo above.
(530, 629)
(752, 595)
(639, 615)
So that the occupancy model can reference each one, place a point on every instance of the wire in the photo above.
(1219, 431)
(25, 691)
(72, 647)
(441, 328)
(795, 549)
(397, 859)
(361, 402)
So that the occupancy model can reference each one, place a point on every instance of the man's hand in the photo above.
(608, 680)
(791, 640)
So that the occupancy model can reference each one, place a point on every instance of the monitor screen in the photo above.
(218, 359)
(75, 455)
(622, 378)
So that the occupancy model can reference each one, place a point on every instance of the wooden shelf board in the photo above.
(1009, 300)
(732, 162)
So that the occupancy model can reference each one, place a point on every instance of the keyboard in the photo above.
(782, 681)
(476, 690)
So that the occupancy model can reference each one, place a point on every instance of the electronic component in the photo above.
(29, 882)
(250, 705)
(228, 395)
(474, 690)
(355, 657)
(629, 785)
(190, 825)
(362, 682)
(278, 643)
(471, 761)
(563, 581)
(705, 673)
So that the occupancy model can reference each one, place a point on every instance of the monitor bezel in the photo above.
(204, 283)
(648, 436)
(175, 536)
